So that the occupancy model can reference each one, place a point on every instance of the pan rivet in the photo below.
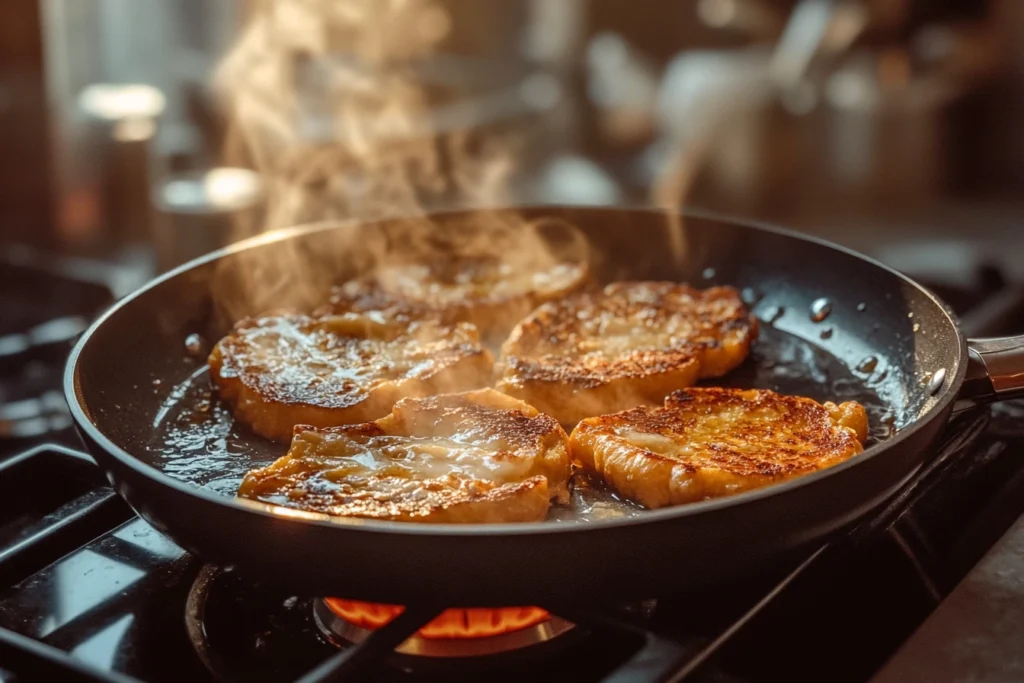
(708, 273)
(820, 309)
(750, 296)
(826, 333)
(936, 382)
(861, 307)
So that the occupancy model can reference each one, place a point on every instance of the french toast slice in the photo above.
(487, 276)
(710, 442)
(631, 343)
(475, 457)
(278, 371)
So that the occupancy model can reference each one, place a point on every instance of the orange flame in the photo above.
(470, 622)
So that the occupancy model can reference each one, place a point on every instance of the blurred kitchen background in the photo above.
(144, 132)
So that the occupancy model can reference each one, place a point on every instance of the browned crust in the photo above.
(489, 270)
(323, 372)
(710, 442)
(442, 501)
(554, 359)
(365, 295)
(519, 425)
(311, 477)
(494, 315)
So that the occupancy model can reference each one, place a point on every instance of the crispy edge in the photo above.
(524, 501)
(570, 403)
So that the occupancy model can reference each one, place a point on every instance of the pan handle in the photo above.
(995, 372)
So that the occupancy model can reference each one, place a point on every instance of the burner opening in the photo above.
(472, 622)
(458, 632)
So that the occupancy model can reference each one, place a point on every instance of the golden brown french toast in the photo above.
(632, 343)
(474, 457)
(709, 442)
(278, 371)
(490, 277)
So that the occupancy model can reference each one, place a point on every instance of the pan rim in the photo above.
(274, 514)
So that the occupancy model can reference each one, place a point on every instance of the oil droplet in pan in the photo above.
(867, 365)
(750, 296)
(861, 307)
(194, 344)
(709, 273)
(820, 309)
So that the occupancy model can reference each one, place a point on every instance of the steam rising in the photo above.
(487, 267)
(325, 102)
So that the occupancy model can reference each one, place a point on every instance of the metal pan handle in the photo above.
(995, 372)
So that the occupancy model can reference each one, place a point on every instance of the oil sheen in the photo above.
(196, 440)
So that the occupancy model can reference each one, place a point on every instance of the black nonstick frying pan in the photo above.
(835, 325)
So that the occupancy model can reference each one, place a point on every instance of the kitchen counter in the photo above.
(977, 633)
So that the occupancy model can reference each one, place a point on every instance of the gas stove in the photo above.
(88, 591)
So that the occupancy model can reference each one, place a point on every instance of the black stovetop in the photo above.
(90, 592)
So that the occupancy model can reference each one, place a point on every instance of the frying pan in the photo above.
(884, 337)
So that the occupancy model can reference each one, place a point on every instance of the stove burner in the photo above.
(244, 629)
(540, 627)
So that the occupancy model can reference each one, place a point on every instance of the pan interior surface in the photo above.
(141, 375)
